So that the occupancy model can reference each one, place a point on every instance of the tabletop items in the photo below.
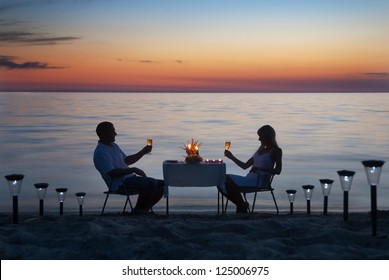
(192, 151)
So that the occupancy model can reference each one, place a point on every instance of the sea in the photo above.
(50, 137)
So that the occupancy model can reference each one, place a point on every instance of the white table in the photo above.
(181, 174)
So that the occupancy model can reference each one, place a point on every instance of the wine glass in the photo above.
(149, 143)
(227, 144)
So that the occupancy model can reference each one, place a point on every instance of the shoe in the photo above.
(247, 207)
(243, 209)
(142, 212)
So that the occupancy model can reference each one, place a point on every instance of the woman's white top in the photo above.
(256, 179)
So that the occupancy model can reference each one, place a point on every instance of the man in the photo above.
(113, 165)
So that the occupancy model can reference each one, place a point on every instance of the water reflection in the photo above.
(51, 137)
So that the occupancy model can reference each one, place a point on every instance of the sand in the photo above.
(194, 236)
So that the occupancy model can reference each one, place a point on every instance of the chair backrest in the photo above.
(108, 184)
(124, 192)
(264, 180)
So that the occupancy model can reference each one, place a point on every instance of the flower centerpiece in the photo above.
(192, 151)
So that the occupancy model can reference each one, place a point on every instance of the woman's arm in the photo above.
(278, 161)
(241, 164)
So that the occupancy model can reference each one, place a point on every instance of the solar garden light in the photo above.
(41, 189)
(346, 179)
(291, 196)
(373, 173)
(61, 193)
(326, 185)
(80, 198)
(15, 184)
(308, 189)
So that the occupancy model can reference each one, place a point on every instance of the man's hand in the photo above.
(138, 171)
(147, 149)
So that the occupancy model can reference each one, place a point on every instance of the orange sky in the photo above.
(194, 46)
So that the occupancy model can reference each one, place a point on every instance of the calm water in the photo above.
(50, 137)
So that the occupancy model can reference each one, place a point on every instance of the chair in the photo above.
(256, 190)
(128, 200)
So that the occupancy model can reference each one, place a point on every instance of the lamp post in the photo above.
(61, 193)
(346, 179)
(15, 184)
(80, 198)
(326, 185)
(308, 189)
(41, 193)
(291, 196)
(373, 173)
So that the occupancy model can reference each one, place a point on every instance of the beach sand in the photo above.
(194, 236)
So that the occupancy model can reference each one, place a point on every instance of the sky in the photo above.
(194, 45)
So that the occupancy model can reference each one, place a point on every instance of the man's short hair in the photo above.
(102, 128)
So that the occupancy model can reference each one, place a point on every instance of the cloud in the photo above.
(16, 4)
(147, 61)
(150, 61)
(178, 61)
(377, 74)
(7, 57)
(22, 37)
(9, 63)
(14, 31)
(8, 22)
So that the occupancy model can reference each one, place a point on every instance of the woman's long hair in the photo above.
(269, 130)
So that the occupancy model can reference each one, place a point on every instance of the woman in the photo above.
(266, 160)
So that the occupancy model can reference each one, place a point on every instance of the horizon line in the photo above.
(178, 91)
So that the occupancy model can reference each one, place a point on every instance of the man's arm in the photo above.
(131, 159)
(125, 171)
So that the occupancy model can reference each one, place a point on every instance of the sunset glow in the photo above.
(242, 46)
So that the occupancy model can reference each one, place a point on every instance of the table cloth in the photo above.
(203, 174)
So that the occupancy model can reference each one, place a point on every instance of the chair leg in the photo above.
(255, 198)
(105, 202)
(125, 204)
(129, 201)
(225, 207)
(167, 206)
(274, 199)
(220, 205)
(245, 199)
(275, 203)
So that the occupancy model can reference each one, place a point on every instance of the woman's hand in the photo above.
(228, 154)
